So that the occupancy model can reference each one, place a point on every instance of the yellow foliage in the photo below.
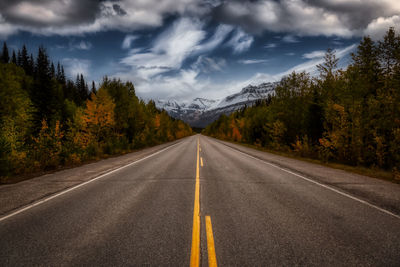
(95, 123)
(99, 114)
(302, 146)
(48, 145)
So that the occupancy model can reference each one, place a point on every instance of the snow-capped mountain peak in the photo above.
(201, 111)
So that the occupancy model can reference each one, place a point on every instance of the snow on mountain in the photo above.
(202, 104)
(249, 93)
(202, 111)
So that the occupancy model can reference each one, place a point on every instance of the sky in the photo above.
(182, 49)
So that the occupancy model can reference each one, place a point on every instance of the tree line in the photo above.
(349, 116)
(47, 120)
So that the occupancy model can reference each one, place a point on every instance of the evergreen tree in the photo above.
(388, 49)
(366, 63)
(83, 89)
(5, 58)
(24, 61)
(63, 79)
(14, 58)
(315, 117)
(60, 76)
(328, 75)
(43, 94)
(31, 66)
(94, 90)
(52, 70)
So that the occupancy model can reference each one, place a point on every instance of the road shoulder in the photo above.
(381, 193)
(19, 195)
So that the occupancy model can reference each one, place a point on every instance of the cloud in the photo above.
(6, 29)
(240, 41)
(42, 13)
(300, 17)
(270, 45)
(206, 64)
(378, 27)
(253, 61)
(235, 85)
(74, 66)
(316, 58)
(314, 54)
(221, 33)
(290, 39)
(306, 17)
(75, 17)
(126, 44)
(157, 70)
(169, 50)
(82, 45)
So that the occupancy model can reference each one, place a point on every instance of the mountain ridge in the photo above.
(202, 111)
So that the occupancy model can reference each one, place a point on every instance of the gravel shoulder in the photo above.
(16, 196)
(379, 192)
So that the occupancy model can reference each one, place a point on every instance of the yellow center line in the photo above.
(195, 251)
(201, 159)
(212, 259)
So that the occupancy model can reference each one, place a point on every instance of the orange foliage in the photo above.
(157, 121)
(236, 136)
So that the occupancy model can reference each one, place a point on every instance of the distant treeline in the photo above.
(348, 116)
(47, 120)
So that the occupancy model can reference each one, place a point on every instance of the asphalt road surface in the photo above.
(201, 202)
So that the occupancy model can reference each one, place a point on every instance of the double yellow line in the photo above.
(195, 251)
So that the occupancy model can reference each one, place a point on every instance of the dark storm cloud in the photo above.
(344, 18)
(120, 11)
(42, 13)
(306, 17)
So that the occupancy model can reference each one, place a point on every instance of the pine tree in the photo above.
(31, 65)
(24, 61)
(94, 90)
(315, 117)
(5, 58)
(52, 70)
(328, 75)
(388, 48)
(63, 79)
(14, 58)
(366, 63)
(327, 68)
(83, 89)
(58, 75)
(19, 58)
(43, 94)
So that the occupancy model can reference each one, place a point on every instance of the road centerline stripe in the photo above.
(195, 250)
(212, 259)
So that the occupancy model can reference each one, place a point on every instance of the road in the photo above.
(258, 214)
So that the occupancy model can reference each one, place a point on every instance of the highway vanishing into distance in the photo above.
(200, 201)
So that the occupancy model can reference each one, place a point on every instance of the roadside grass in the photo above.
(370, 172)
(29, 175)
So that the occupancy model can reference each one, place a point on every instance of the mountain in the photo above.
(200, 112)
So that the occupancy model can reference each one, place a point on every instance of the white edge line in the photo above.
(81, 184)
(318, 183)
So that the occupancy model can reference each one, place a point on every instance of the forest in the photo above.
(48, 120)
(349, 116)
